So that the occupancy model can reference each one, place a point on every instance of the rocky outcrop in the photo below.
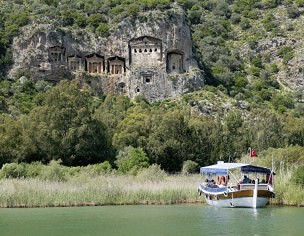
(150, 56)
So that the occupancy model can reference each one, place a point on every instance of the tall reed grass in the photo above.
(35, 185)
(99, 190)
(287, 192)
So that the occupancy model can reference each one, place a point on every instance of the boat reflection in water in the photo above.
(237, 185)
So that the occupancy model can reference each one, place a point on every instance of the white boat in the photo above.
(237, 185)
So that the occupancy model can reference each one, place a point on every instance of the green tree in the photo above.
(130, 160)
(168, 140)
(201, 142)
(264, 129)
(64, 127)
(15, 145)
(293, 131)
(112, 111)
(133, 129)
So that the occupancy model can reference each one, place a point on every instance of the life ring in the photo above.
(219, 180)
(224, 180)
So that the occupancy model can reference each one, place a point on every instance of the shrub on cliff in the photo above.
(102, 30)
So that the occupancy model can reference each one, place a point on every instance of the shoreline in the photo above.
(138, 204)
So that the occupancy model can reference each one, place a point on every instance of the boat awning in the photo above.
(222, 169)
(256, 169)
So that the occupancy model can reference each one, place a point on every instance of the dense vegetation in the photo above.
(67, 123)
(243, 105)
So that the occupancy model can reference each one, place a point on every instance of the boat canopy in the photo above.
(222, 168)
(256, 169)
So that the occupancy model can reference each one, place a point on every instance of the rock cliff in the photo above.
(149, 56)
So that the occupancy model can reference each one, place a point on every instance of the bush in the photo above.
(54, 171)
(274, 68)
(33, 170)
(287, 57)
(293, 12)
(80, 21)
(103, 30)
(269, 3)
(286, 53)
(13, 170)
(189, 167)
(245, 24)
(103, 168)
(95, 19)
(257, 61)
(130, 160)
(280, 101)
(235, 18)
(133, 10)
(284, 50)
(240, 82)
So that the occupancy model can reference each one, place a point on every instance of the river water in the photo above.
(152, 220)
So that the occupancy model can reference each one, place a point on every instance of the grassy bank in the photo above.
(53, 185)
(120, 190)
(100, 190)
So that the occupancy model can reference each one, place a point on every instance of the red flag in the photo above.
(252, 153)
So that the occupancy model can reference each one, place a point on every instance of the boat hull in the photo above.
(244, 202)
(243, 198)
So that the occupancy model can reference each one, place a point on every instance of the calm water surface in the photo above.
(152, 220)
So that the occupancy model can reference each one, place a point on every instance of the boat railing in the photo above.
(251, 186)
(215, 188)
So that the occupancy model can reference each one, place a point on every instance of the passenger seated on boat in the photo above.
(212, 184)
(263, 181)
(246, 179)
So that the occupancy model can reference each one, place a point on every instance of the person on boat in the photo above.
(212, 184)
(246, 179)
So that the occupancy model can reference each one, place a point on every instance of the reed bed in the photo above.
(113, 189)
(99, 190)
(287, 193)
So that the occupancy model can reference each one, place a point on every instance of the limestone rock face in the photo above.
(150, 56)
